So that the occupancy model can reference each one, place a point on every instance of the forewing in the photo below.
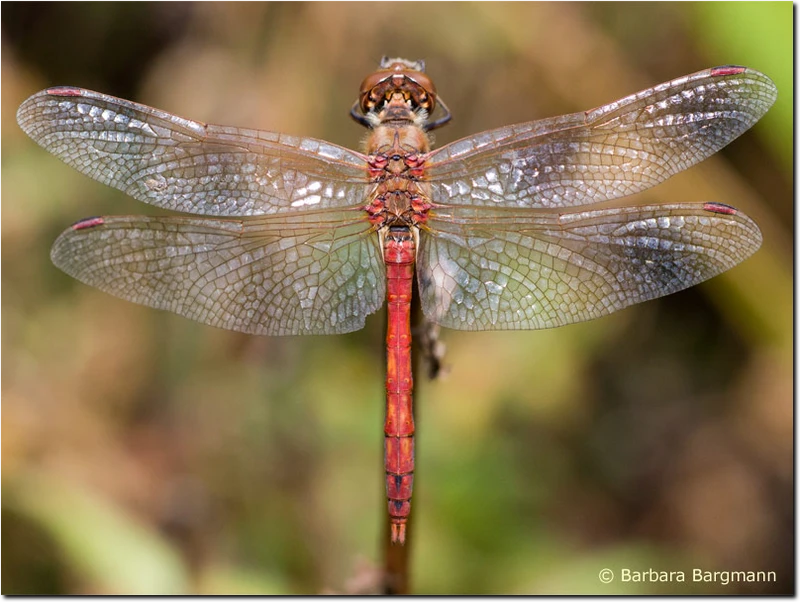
(268, 276)
(610, 152)
(526, 270)
(188, 166)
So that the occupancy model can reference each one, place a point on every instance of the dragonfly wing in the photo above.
(188, 166)
(533, 270)
(610, 152)
(262, 276)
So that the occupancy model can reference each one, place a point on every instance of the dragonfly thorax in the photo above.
(397, 153)
(395, 140)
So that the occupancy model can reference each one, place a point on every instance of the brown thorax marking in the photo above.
(397, 208)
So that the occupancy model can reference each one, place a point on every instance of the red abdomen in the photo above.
(399, 253)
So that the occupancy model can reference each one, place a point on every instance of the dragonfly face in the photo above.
(397, 87)
(398, 78)
(301, 236)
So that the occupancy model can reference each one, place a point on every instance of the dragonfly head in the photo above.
(398, 78)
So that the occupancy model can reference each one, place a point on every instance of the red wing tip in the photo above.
(728, 70)
(89, 222)
(64, 91)
(720, 208)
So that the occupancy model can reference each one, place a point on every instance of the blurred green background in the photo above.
(144, 453)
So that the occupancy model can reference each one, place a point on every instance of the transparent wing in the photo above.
(613, 151)
(526, 270)
(270, 276)
(188, 166)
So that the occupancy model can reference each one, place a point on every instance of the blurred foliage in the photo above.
(146, 453)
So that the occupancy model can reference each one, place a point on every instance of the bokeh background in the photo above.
(144, 453)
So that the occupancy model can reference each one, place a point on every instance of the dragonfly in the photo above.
(299, 236)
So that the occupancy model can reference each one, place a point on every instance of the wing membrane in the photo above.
(616, 150)
(267, 276)
(188, 166)
(527, 270)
